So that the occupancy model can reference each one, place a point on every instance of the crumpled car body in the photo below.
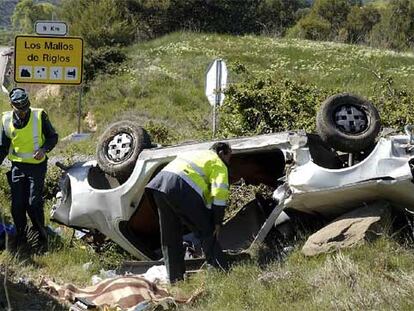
(307, 175)
(386, 173)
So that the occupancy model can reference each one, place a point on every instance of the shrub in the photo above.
(51, 182)
(159, 133)
(268, 104)
(395, 103)
(103, 60)
(312, 27)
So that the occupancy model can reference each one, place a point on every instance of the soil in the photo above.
(24, 296)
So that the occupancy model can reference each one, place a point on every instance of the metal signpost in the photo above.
(216, 81)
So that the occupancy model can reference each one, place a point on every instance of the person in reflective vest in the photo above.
(26, 137)
(192, 190)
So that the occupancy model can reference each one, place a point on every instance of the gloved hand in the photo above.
(39, 154)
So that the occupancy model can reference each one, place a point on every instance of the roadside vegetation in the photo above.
(161, 86)
(152, 70)
(378, 276)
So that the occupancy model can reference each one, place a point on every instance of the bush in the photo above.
(159, 133)
(51, 186)
(395, 104)
(269, 104)
(311, 27)
(103, 60)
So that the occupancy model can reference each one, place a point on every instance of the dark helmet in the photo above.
(19, 98)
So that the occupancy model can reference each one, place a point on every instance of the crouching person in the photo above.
(26, 136)
(192, 190)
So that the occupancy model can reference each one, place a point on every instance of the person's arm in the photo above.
(51, 137)
(4, 144)
(219, 180)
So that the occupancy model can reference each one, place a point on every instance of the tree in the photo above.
(360, 22)
(27, 12)
(99, 22)
(275, 16)
(333, 11)
(396, 29)
(342, 20)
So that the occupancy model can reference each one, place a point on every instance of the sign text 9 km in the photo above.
(48, 60)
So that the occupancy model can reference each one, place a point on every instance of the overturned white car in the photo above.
(324, 174)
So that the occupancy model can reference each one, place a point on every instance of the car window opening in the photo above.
(325, 156)
(254, 168)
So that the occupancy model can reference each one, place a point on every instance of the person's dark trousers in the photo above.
(26, 183)
(184, 205)
(171, 237)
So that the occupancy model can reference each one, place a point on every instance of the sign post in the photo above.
(216, 81)
(50, 58)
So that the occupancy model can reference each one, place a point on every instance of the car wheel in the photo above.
(348, 123)
(119, 146)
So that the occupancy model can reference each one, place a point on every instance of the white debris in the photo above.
(156, 274)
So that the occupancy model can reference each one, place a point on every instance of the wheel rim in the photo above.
(351, 119)
(120, 147)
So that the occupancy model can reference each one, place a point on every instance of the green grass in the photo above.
(378, 276)
(162, 87)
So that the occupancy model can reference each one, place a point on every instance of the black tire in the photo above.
(348, 123)
(118, 148)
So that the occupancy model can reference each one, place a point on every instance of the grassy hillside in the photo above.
(162, 87)
(163, 81)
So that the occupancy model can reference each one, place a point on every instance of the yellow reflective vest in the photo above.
(24, 141)
(206, 173)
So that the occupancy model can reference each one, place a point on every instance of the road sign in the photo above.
(51, 28)
(216, 81)
(48, 60)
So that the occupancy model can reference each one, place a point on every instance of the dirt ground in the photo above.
(26, 297)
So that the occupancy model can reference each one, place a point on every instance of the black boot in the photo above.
(18, 243)
(38, 240)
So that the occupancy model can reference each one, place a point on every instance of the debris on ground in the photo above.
(350, 229)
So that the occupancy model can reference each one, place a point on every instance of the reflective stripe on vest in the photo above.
(205, 172)
(29, 139)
